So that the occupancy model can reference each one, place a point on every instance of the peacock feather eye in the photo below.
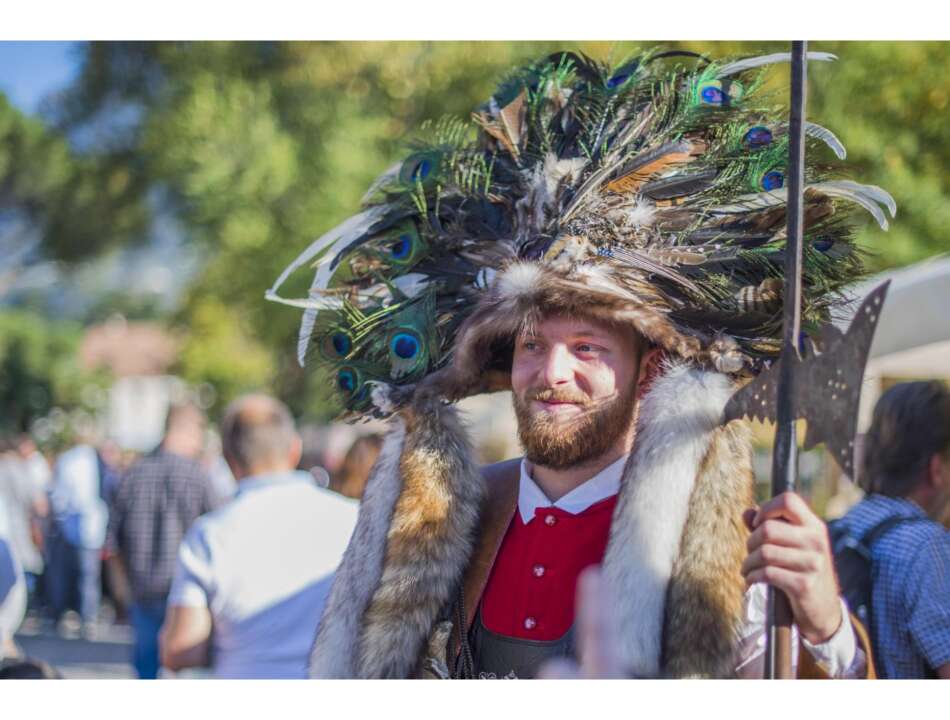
(773, 180)
(347, 380)
(757, 137)
(407, 353)
(419, 167)
(402, 247)
(405, 346)
(711, 93)
(341, 343)
(621, 76)
(822, 244)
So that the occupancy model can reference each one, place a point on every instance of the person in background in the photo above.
(253, 576)
(27, 506)
(36, 464)
(156, 502)
(12, 588)
(214, 464)
(350, 479)
(76, 533)
(906, 474)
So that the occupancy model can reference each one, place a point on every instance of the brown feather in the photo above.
(682, 153)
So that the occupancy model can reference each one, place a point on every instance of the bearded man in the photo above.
(605, 249)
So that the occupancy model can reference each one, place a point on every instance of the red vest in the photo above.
(530, 592)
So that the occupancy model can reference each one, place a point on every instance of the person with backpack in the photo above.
(892, 549)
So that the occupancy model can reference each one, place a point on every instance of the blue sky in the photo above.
(31, 70)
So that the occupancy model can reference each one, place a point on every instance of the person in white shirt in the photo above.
(253, 576)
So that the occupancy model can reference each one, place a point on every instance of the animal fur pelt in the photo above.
(674, 534)
(677, 484)
(412, 540)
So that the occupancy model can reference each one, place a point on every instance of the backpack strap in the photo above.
(881, 529)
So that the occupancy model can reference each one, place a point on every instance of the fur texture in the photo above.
(679, 417)
(705, 595)
(421, 553)
(525, 291)
(335, 650)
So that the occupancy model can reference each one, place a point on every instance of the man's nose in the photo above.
(558, 365)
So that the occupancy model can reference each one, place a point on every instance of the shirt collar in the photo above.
(255, 482)
(600, 487)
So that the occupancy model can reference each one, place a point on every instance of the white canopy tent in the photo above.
(913, 334)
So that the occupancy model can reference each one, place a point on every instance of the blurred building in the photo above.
(138, 355)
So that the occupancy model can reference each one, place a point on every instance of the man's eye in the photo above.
(586, 348)
(529, 345)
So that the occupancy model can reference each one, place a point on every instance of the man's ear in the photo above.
(296, 451)
(649, 369)
(938, 472)
(237, 471)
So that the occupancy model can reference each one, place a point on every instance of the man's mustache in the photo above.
(558, 395)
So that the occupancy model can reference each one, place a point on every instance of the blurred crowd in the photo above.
(94, 535)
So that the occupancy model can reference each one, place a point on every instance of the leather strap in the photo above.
(501, 501)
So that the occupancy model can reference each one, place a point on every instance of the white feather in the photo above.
(323, 247)
(411, 284)
(303, 336)
(387, 177)
(518, 279)
(827, 137)
(867, 196)
(641, 214)
(748, 63)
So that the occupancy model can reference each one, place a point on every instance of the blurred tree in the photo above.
(263, 146)
(67, 205)
(38, 368)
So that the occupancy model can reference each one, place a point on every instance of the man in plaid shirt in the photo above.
(155, 504)
(907, 474)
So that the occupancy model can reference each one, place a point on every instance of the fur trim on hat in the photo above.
(525, 292)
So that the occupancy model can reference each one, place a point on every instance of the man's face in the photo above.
(574, 387)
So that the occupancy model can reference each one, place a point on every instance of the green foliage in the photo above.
(38, 368)
(80, 205)
(219, 351)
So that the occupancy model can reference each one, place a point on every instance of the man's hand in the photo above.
(789, 550)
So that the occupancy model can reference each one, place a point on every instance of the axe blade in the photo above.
(829, 382)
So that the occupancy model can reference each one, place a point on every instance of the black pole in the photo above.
(778, 662)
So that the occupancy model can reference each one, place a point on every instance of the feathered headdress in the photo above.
(651, 193)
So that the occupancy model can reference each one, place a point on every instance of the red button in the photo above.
(550, 520)
(530, 623)
(538, 570)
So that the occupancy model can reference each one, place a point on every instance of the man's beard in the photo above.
(566, 443)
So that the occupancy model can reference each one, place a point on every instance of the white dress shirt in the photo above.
(263, 565)
(839, 656)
